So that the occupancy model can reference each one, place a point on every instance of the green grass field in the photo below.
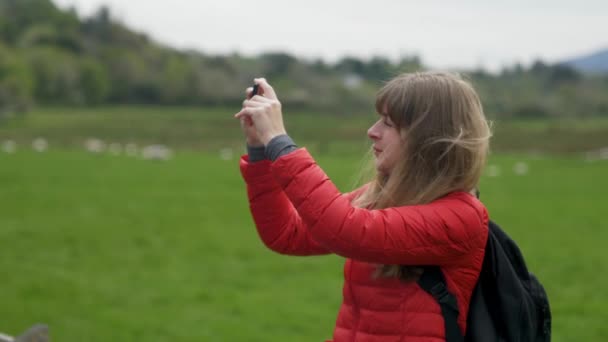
(209, 129)
(113, 248)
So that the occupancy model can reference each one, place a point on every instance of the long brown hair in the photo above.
(445, 141)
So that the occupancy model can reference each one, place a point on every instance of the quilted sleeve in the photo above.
(279, 225)
(440, 233)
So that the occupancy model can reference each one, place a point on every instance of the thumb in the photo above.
(268, 91)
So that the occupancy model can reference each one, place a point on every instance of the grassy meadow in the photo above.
(117, 248)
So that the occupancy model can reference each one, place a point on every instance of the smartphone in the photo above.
(254, 92)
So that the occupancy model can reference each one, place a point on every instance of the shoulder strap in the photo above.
(433, 282)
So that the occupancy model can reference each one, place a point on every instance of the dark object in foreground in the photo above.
(36, 333)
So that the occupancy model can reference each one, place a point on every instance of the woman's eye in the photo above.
(387, 122)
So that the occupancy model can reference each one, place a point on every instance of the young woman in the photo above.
(430, 145)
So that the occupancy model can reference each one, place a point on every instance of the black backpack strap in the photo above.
(433, 282)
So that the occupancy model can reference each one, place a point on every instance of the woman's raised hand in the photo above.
(251, 135)
(263, 113)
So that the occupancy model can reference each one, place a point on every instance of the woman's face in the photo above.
(387, 143)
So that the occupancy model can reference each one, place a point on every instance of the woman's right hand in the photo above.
(264, 110)
(251, 135)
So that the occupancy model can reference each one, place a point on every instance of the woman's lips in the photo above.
(377, 150)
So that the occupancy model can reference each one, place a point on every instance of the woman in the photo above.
(430, 144)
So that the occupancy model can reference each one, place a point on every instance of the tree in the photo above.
(15, 84)
(350, 65)
(17, 16)
(56, 75)
(277, 63)
(94, 81)
(379, 69)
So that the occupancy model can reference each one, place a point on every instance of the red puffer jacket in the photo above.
(298, 211)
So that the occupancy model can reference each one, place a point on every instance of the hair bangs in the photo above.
(391, 100)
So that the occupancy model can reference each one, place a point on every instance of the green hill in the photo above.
(596, 62)
(52, 56)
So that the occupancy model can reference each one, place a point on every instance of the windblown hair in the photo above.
(445, 141)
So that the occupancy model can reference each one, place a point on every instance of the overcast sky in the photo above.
(444, 33)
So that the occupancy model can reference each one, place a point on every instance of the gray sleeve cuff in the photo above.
(280, 146)
(256, 153)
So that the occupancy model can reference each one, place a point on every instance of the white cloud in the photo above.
(444, 34)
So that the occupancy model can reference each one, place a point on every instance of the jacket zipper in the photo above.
(355, 305)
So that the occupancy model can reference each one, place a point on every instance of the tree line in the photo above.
(50, 56)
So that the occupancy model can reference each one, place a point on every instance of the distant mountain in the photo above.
(593, 63)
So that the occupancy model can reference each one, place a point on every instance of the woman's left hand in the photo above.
(264, 110)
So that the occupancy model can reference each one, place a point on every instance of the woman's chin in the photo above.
(379, 166)
(377, 163)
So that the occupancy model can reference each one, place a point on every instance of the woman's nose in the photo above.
(372, 132)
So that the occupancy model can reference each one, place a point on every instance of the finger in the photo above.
(268, 91)
(248, 92)
(240, 114)
(246, 121)
(248, 111)
(256, 102)
(261, 99)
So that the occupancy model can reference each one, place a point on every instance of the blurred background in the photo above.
(123, 216)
